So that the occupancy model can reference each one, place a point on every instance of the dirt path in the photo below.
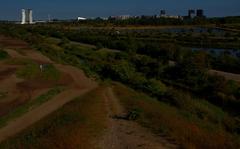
(123, 134)
(38, 113)
(80, 86)
(227, 75)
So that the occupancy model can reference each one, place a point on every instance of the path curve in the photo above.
(80, 86)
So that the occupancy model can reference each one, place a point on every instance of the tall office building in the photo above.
(191, 13)
(200, 13)
(162, 13)
(27, 17)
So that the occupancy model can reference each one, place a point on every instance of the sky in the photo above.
(66, 9)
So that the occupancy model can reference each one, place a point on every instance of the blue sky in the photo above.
(10, 9)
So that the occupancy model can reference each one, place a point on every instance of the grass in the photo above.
(32, 71)
(184, 126)
(76, 125)
(30, 105)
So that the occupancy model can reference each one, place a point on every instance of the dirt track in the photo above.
(80, 85)
(124, 134)
(227, 75)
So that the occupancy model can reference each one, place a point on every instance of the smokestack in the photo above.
(23, 16)
(27, 17)
(30, 12)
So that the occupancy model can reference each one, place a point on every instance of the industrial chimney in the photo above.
(27, 16)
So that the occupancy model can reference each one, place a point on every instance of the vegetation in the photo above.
(29, 105)
(3, 54)
(192, 106)
(32, 71)
(194, 123)
(77, 122)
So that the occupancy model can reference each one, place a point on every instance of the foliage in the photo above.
(32, 71)
(194, 125)
(159, 65)
(3, 54)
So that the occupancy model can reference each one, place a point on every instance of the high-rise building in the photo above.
(27, 17)
(200, 13)
(191, 13)
(162, 13)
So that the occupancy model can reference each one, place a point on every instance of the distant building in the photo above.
(27, 17)
(122, 17)
(191, 13)
(162, 13)
(81, 18)
(200, 13)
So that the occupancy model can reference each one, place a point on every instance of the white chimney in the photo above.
(23, 16)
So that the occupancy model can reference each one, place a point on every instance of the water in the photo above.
(218, 52)
(216, 31)
(194, 30)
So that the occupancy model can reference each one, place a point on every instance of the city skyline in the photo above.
(10, 10)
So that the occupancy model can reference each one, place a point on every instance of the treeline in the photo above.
(152, 21)
(148, 42)
(163, 46)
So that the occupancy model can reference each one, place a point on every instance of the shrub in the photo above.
(3, 54)
(156, 87)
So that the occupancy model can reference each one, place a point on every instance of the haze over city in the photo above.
(10, 10)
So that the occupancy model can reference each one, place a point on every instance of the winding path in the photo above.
(80, 86)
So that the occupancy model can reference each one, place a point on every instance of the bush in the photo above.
(3, 54)
(156, 88)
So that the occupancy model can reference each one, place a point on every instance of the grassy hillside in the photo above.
(182, 101)
(198, 125)
(75, 125)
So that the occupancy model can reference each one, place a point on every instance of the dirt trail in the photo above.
(80, 86)
(38, 113)
(227, 75)
(123, 134)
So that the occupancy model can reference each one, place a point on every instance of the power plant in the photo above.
(27, 17)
